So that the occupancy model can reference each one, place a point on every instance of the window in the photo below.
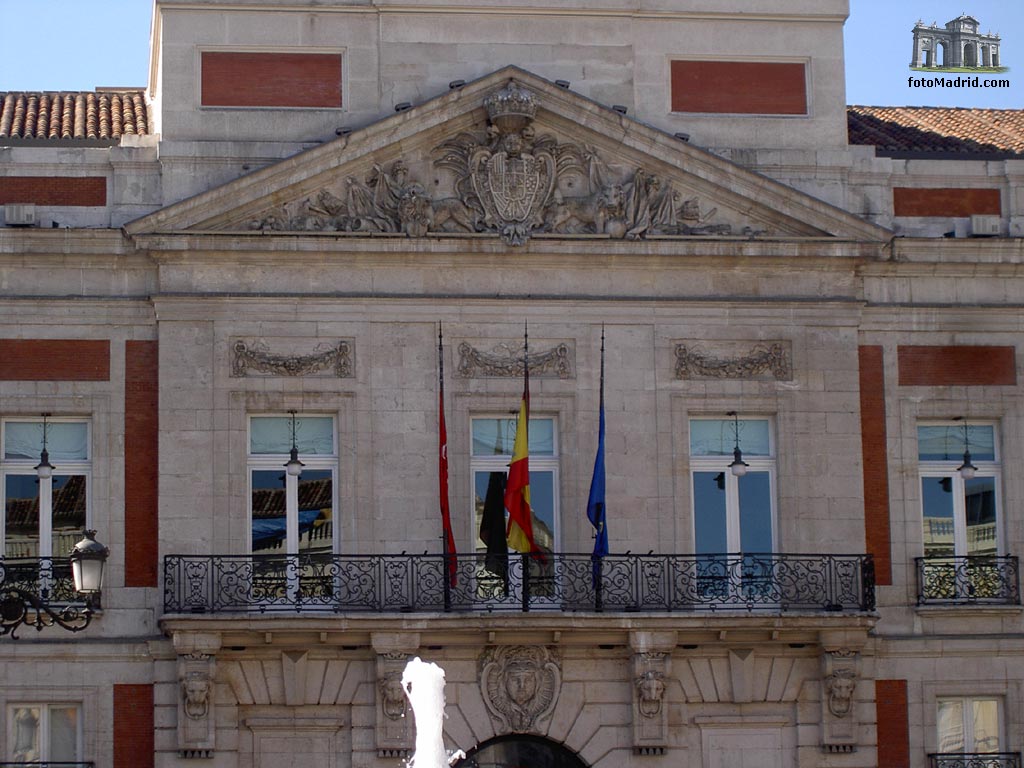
(492, 443)
(491, 454)
(960, 515)
(963, 544)
(733, 515)
(969, 725)
(291, 516)
(44, 517)
(44, 732)
(730, 513)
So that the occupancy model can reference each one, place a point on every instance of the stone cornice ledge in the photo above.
(714, 629)
(163, 245)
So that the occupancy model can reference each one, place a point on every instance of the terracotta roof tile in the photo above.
(77, 115)
(944, 130)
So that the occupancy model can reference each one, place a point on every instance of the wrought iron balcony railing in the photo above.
(47, 578)
(48, 764)
(567, 582)
(974, 760)
(984, 579)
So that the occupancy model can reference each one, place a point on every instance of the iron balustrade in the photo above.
(48, 764)
(987, 579)
(45, 577)
(974, 760)
(204, 584)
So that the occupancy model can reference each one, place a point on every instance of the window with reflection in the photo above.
(733, 513)
(969, 725)
(44, 517)
(491, 453)
(44, 733)
(304, 523)
(960, 514)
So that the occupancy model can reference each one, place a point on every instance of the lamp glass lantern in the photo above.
(88, 559)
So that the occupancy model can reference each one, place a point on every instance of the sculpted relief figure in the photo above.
(392, 696)
(840, 685)
(650, 692)
(520, 685)
(196, 690)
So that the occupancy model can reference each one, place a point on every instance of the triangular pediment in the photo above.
(514, 156)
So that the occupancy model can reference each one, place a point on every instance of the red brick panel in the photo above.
(141, 522)
(54, 360)
(133, 726)
(747, 87)
(76, 191)
(940, 366)
(893, 724)
(875, 460)
(249, 79)
(958, 203)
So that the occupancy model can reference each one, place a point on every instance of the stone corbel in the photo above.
(394, 734)
(197, 703)
(840, 674)
(652, 667)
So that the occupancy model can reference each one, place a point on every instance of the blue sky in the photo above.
(83, 44)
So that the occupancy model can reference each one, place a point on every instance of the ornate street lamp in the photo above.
(19, 607)
(738, 467)
(44, 469)
(293, 466)
(967, 470)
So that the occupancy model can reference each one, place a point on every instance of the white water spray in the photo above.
(423, 683)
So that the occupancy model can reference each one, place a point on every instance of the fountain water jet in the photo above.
(423, 683)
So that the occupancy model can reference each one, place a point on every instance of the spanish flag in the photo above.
(517, 492)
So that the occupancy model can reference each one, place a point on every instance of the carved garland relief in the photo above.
(763, 360)
(256, 358)
(506, 360)
(508, 181)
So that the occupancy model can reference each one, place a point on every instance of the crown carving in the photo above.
(511, 108)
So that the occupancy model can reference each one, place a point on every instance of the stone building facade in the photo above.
(313, 194)
(958, 44)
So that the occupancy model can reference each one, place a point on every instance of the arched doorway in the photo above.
(521, 751)
(970, 55)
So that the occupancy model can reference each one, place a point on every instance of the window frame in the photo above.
(63, 467)
(947, 468)
(500, 462)
(766, 463)
(275, 462)
(44, 729)
(967, 702)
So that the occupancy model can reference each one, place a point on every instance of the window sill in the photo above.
(969, 609)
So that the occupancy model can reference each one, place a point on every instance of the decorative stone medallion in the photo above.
(520, 685)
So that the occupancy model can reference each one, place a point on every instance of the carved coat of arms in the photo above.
(513, 186)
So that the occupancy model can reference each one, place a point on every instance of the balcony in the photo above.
(214, 584)
(47, 578)
(978, 579)
(47, 764)
(974, 760)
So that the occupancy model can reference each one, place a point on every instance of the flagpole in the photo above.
(596, 511)
(447, 540)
